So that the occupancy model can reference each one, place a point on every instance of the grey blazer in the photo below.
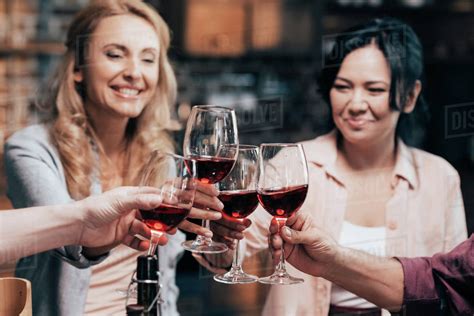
(60, 278)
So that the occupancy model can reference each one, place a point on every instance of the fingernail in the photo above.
(217, 216)
(220, 205)
(208, 234)
(286, 231)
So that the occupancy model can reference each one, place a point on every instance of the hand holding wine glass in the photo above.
(210, 140)
(282, 188)
(174, 176)
(239, 195)
(205, 206)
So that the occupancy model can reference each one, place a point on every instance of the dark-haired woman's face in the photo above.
(360, 98)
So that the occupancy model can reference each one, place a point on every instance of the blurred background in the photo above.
(260, 57)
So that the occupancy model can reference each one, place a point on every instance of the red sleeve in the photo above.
(444, 281)
(419, 283)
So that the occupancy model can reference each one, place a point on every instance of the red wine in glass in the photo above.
(239, 195)
(211, 170)
(211, 141)
(283, 202)
(239, 204)
(282, 188)
(165, 217)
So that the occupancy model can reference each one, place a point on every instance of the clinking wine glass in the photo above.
(281, 189)
(239, 196)
(175, 177)
(211, 140)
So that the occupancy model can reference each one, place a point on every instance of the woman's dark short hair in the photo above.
(403, 51)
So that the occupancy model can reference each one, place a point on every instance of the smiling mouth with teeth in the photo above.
(127, 91)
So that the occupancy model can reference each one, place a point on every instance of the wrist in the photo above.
(331, 260)
(67, 222)
(78, 211)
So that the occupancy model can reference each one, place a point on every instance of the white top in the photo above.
(108, 280)
(367, 239)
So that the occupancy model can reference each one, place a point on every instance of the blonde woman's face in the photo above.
(360, 98)
(121, 67)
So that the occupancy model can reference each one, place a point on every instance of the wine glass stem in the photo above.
(235, 261)
(280, 268)
(155, 237)
(202, 239)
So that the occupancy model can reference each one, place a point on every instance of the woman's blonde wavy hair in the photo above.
(71, 130)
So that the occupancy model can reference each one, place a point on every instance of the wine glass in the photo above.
(209, 131)
(281, 189)
(175, 176)
(239, 196)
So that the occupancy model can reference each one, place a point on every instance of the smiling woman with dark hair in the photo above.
(367, 188)
(404, 55)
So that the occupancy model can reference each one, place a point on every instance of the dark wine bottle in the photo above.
(147, 287)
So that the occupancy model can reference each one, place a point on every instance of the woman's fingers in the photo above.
(224, 231)
(204, 214)
(206, 201)
(195, 229)
(233, 224)
(207, 189)
(206, 197)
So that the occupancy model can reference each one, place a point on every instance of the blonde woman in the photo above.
(109, 108)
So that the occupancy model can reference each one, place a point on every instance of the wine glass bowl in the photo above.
(175, 177)
(239, 196)
(281, 190)
(283, 202)
(211, 141)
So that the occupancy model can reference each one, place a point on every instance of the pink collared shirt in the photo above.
(425, 215)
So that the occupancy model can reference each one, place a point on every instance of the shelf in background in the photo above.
(428, 10)
(34, 49)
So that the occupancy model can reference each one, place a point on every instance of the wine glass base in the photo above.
(280, 278)
(204, 247)
(235, 277)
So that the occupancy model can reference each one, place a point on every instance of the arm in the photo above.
(423, 285)
(35, 178)
(442, 281)
(311, 250)
(32, 230)
(377, 279)
(96, 221)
